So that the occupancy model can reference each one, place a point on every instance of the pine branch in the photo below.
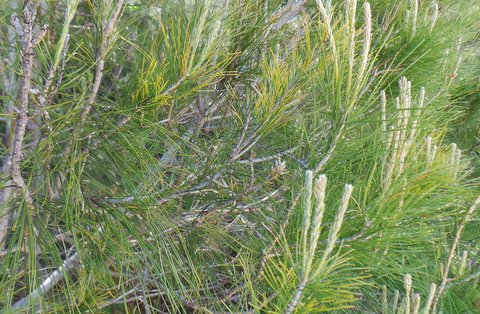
(451, 253)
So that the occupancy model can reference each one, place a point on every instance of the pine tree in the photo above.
(239, 156)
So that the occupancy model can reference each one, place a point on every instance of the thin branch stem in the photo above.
(451, 253)
(51, 281)
(330, 151)
(102, 53)
(13, 162)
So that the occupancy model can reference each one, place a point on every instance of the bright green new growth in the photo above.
(172, 156)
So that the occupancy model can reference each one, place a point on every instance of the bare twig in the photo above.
(101, 55)
(469, 278)
(331, 149)
(51, 281)
(13, 163)
(358, 235)
(267, 158)
(123, 299)
(296, 298)
(54, 91)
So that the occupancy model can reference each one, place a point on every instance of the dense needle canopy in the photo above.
(239, 156)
